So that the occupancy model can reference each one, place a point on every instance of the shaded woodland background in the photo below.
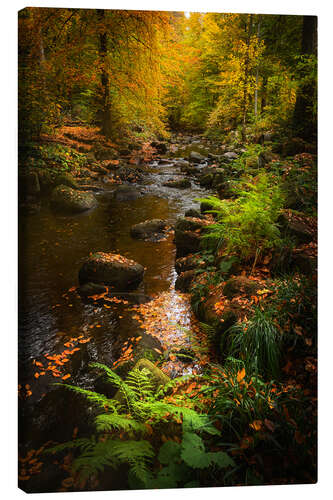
(143, 72)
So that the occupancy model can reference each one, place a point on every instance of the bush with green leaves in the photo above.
(142, 413)
(249, 158)
(294, 308)
(202, 286)
(56, 158)
(248, 225)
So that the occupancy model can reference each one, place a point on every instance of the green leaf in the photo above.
(169, 452)
(193, 451)
(221, 459)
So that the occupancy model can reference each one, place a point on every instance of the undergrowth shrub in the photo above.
(258, 343)
(248, 225)
(267, 427)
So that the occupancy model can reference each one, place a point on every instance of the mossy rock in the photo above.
(206, 180)
(206, 206)
(66, 179)
(187, 242)
(240, 285)
(189, 262)
(184, 280)
(120, 273)
(192, 212)
(68, 200)
(188, 224)
(158, 378)
(149, 229)
(178, 184)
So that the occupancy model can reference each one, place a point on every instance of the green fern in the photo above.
(247, 225)
(141, 405)
(94, 397)
(108, 423)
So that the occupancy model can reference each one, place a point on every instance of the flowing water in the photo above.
(52, 249)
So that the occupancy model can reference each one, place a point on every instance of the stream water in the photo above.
(52, 249)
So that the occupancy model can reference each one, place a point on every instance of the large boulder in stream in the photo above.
(116, 271)
(68, 200)
(149, 229)
(187, 235)
(184, 280)
(212, 176)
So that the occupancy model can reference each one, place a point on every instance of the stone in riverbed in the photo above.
(196, 157)
(179, 184)
(187, 235)
(116, 271)
(184, 280)
(230, 155)
(68, 200)
(192, 212)
(182, 163)
(186, 242)
(149, 229)
(89, 289)
(189, 224)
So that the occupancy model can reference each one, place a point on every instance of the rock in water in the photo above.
(178, 184)
(230, 155)
(114, 270)
(66, 199)
(187, 237)
(148, 229)
(196, 157)
(184, 280)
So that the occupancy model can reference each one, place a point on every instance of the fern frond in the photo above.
(85, 444)
(108, 422)
(131, 451)
(140, 383)
(94, 397)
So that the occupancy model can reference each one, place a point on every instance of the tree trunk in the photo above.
(106, 105)
(257, 78)
(246, 73)
(304, 121)
(264, 92)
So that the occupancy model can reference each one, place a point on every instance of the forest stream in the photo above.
(52, 250)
